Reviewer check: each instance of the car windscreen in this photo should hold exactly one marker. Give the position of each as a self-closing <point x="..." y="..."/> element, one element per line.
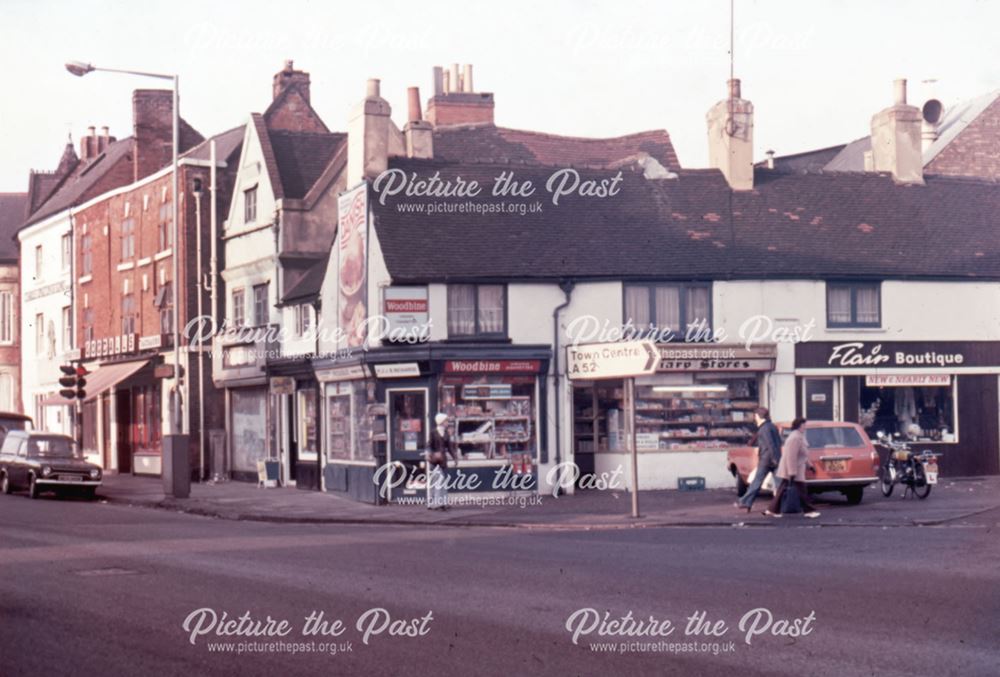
<point x="841" y="436"/>
<point x="53" y="447"/>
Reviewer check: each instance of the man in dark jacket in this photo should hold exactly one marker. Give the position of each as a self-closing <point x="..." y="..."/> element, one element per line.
<point x="768" y="455"/>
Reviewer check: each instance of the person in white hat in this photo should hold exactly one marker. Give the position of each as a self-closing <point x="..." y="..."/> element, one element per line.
<point x="441" y="447"/>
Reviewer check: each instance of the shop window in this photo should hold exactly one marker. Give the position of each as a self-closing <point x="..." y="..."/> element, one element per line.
<point x="477" y="310"/>
<point x="86" y="255"/>
<point x="669" y="311"/>
<point x="250" y="205"/>
<point x="307" y="439"/>
<point x="239" y="307"/>
<point x="338" y="422"/>
<point x="260" y="314"/>
<point x="6" y="317"/>
<point x="853" y="304"/>
<point x="248" y="428"/>
<point x="916" y="413"/>
<point x="146" y="427"/>
<point x="678" y="413"/>
<point x="493" y="416"/>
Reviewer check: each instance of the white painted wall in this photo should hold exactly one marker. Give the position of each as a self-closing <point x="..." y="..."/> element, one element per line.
<point x="46" y="292"/>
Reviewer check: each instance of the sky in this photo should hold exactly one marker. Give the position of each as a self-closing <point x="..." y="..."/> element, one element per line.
<point x="815" y="71"/>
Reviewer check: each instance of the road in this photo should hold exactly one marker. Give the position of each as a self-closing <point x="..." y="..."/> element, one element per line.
<point x="93" y="589"/>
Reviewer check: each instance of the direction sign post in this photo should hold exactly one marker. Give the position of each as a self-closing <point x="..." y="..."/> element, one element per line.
<point x="626" y="360"/>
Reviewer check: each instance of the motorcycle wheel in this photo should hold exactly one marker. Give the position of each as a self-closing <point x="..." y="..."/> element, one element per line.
<point x="920" y="486"/>
<point x="887" y="482"/>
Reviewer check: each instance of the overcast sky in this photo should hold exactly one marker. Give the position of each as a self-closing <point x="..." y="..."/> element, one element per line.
<point x="815" y="71"/>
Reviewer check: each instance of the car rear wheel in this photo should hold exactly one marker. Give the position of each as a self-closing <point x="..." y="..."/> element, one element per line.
<point x="854" y="495"/>
<point x="4" y="484"/>
<point x="741" y="486"/>
<point x="33" y="488"/>
<point x="886" y="482"/>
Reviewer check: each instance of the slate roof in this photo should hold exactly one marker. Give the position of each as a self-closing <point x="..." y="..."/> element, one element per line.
<point x="74" y="188"/>
<point x="809" y="161"/>
<point x="488" y="143"/>
<point x="790" y="226"/>
<point x="308" y="286"/>
<point x="295" y="160"/>
<point x="226" y="143"/>
<point x="12" y="207"/>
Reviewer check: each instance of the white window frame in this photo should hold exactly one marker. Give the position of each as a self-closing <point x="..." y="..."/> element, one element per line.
<point x="6" y="318"/>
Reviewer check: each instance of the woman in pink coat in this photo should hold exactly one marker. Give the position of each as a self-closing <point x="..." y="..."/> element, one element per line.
<point x="792" y="470"/>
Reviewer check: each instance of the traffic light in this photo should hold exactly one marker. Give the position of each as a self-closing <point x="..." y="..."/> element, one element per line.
<point x="73" y="381"/>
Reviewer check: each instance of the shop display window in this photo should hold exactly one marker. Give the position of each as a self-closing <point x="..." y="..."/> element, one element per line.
<point x="493" y="416"/>
<point x="308" y="442"/>
<point x="917" y="413"/>
<point x="713" y="413"/>
<point x="338" y="421"/>
<point x="248" y="420"/>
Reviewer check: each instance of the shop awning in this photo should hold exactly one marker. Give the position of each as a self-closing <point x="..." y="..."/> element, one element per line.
<point x="100" y="380"/>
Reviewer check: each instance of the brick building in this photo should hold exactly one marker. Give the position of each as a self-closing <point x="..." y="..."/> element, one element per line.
<point x="12" y="208"/>
<point x="123" y="289"/>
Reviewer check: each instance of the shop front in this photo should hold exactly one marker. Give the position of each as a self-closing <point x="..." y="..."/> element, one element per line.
<point x="697" y="406"/>
<point x="939" y="395"/>
<point x="379" y="413"/>
<point x="296" y="429"/>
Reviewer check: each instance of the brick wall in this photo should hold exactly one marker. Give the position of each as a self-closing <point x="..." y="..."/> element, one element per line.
<point x="975" y="151"/>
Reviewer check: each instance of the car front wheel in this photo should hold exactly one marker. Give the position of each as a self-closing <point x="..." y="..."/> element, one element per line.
<point x="5" y="484"/>
<point x="33" y="488"/>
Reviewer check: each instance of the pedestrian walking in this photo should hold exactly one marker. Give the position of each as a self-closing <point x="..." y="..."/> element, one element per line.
<point x="441" y="447"/>
<point x="768" y="442"/>
<point x="792" y="471"/>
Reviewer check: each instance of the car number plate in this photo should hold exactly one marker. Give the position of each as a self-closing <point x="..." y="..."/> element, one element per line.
<point x="835" y="466"/>
<point x="70" y="478"/>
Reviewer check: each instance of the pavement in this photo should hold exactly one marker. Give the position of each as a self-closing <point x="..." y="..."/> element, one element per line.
<point x="953" y="500"/>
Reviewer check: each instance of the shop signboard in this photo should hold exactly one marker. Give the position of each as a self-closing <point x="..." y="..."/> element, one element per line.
<point x="348" y="373"/>
<point x="352" y="235"/>
<point x="401" y="370"/>
<point x="904" y="380"/>
<point x="492" y="366"/>
<point x="675" y="357"/>
<point x="611" y="360"/>
<point x="282" y="385"/>
<point x="406" y="312"/>
<point x="878" y="356"/>
<point x="110" y="345"/>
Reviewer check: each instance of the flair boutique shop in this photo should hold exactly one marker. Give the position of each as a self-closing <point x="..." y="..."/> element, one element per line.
<point x="939" y="395"/>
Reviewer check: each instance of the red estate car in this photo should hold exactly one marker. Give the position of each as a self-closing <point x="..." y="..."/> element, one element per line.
<point x="841" y="453"/>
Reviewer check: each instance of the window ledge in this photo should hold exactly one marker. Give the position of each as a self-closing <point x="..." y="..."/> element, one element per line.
<point x="145" y="261"/>
<point x="85" y="279"/>
<point x="126" y="266"/>
<point x="164" y="254"/>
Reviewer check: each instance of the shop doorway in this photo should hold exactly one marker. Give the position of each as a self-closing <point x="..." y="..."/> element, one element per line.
<point x="123" y="419"/>
<point x="818" y="399"/>
<point x="408" y="423"/>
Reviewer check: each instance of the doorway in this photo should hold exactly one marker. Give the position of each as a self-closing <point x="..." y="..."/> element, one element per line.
<point x="819" y="399"/>
<point x="123" y="426"/>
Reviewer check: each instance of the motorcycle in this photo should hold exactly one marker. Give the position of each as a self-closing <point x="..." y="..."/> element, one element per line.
<point x="918" y="472"/>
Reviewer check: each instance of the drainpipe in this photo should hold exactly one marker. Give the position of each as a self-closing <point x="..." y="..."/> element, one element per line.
<point x="201" y="356"/>
<point x="567" y="289"/>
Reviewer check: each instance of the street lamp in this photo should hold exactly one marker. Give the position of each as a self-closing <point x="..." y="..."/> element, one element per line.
<point x="79" y="69"/>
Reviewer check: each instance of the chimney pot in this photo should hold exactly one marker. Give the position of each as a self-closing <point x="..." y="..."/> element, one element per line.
<point x="92" y="130"/>
<point x="413" y="96"/>
<point x="289" y="65"/>
<point x="467" y="79"/>
<point x="374" y="88"/>
<point x="734" y="88"/>
<point x="770" y="159"/>
<point x="446" y="82"/>
<point x="899" y="91"/>
<point x="438" y="80"/>
<point x="456" y="85"/>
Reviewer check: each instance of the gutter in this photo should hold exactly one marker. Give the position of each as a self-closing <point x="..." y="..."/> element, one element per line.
<point x="567" y="289"/>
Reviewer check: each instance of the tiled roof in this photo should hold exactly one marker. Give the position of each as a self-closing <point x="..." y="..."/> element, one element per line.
<point x="487" y="143"/>
<point x="308" y="285"/>
<point x="301" y="157"/>
<point x="226" y="143"/>
<point x="694" y="227"/>
<point x="74" y="189"/>
<point x="12" y="206"/>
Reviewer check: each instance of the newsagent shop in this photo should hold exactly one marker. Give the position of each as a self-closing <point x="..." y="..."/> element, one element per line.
<point x="939" y="395"/>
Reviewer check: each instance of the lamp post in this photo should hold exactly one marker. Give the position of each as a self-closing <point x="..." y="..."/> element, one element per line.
<point x="79" y="69"/>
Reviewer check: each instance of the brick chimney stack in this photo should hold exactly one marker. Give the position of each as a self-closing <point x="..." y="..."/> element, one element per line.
<point x="368" y="136"/>
<point x="896" y="142"/>
<point x="152" y="120"/>
<point x="418" y="133"/>
<point x="730" y="138"/>
<point x="287" y="77"/>
<point x="454" y="102"/>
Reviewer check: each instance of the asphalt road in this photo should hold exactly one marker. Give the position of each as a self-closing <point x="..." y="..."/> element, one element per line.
<point x="92" y="589"/>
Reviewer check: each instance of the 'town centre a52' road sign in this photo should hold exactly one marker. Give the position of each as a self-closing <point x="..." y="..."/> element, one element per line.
<point x="611" y="360"/>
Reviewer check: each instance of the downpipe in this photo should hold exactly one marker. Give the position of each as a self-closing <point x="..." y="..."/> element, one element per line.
<point x="567" y="289"/>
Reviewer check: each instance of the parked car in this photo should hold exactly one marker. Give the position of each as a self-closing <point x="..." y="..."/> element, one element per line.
<point x="40" y="461"/>
<point x="841" y="453"/>
<point x="13" y="421"/>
